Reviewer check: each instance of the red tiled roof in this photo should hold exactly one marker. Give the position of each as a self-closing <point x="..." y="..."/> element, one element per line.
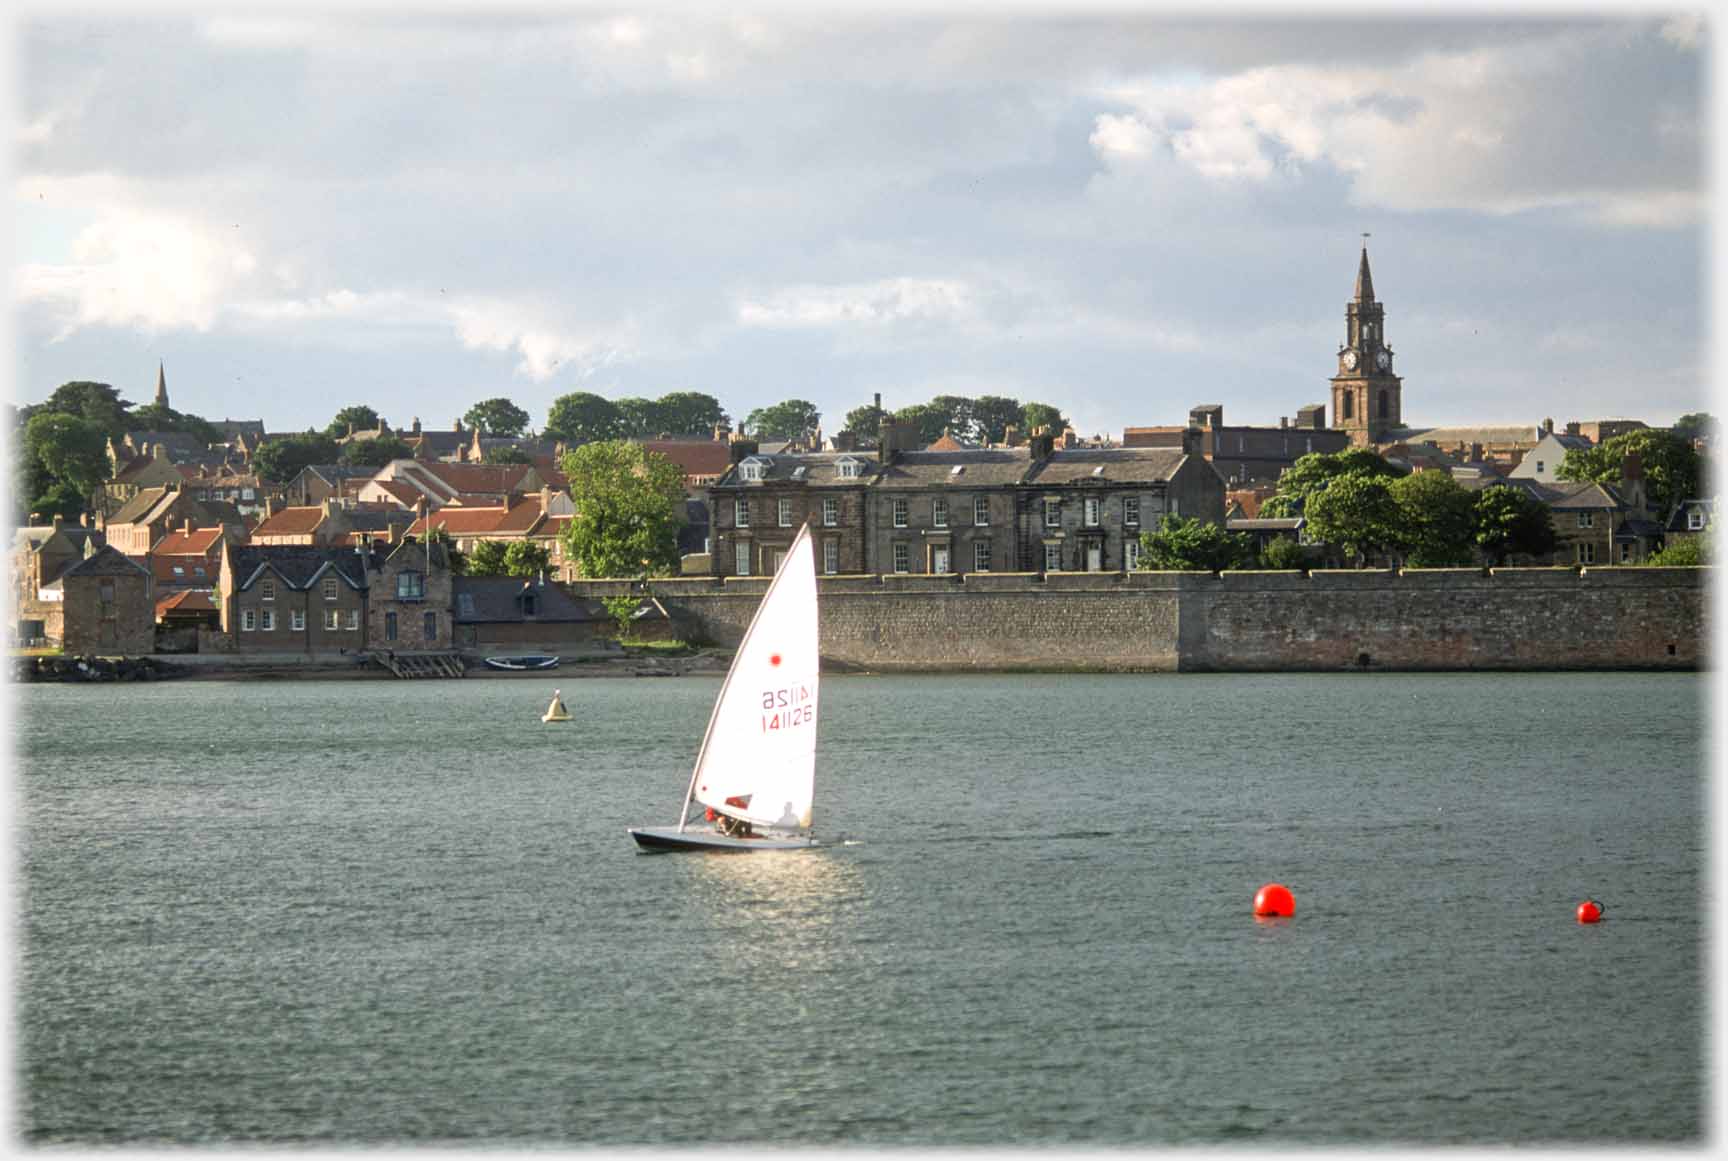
<point x="459" y="521"/>
<point x="408" y="494"/>
<point x="291" y="522"/>
<point x="198" y="542"/>
<point x="697" y="457"/>
<point x="193" y="570"/>
<point x="554" y="526"/>
<point x="521" y="517"/>
<point x="186" y="601"/>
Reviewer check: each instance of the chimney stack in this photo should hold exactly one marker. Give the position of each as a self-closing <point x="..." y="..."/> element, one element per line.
<point x="1011" y="435"/>
<point x="1042" y="443"/>
<point x="1632" y="467"/>
<point x="186" y="527"/>
<point x="722" y="431"/>
<point x="58" y="520"/>
<point x="545" y="499"/>
<point x="740" y="448"/>
<point x="1548" y="426"/>
<point x="1191" y="440"/>
<point x="416" y="426"/>
<point x="1575" y="428"/>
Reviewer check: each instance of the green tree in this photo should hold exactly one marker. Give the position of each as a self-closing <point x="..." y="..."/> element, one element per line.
<point x="1283" y="553"/>
<point x="497" y="417"/>
<point x="1356" y="514"/>
<point x="926" y="418"/>
<point x="356" y="418"/>
<point x="505" y="454"/>
<point x="1510" y="521"/>
<point x="1314" y="472"/>
<point x="1438" y="517"/>
<point x="1695" y="425"/>
<point x="961" y="421"/>
<point x="486" y="558"/>
<point x="1687" y="552"/>
<point x="97" y="402"/>
<point x="525" y="558"/>
<point x="865" y="422"/>
<point x="991" y="415"/>
<point x="689" y="413"/>
<point x="155" y="417"/>
<point x="1036" y="415"/>
<point x="622" y="610"/>
<point x="60" y="499"/>
<point x="280" y="460"/>
<point x="375" y="453"/>
<point x="1670" y="465"/>
<point x="1194" y="545"/>
<point x="629" y="505"/>
<point x="638" y="418"/>
<point x="790" y="419"/>
<point x="583" y="417"/>
<point x="71" y="450"/>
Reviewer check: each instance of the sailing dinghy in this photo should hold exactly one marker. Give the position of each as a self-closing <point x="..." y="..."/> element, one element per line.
<point x="755" y="776"/>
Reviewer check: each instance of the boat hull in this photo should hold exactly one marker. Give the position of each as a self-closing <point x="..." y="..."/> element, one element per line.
<point x="523" y="664"/>
<point x="660" y="839"/>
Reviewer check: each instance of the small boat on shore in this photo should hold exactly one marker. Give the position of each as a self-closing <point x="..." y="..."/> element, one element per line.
<point x="525" y="661"/>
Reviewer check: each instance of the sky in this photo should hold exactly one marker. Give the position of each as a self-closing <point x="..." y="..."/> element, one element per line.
<point x="1118" y="213"/>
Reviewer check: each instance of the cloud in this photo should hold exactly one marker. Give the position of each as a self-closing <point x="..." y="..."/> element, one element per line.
<point x="545" y="345"/>
<point x="868" y="304"/>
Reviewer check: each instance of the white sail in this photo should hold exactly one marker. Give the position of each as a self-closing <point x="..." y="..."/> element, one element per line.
<point x="758" y="761"/>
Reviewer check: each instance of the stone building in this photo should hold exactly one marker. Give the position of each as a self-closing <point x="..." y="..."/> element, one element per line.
<point x="1367" y="398"/>
<point x="758" y="504"/>
<point x="40" y="554"/>
<point x="293" y="598"/>
<point x="1246" y="455"/>
<point x="108" y="605"/>
<point x="411" y="598"/>
<point x="154" y="512"/>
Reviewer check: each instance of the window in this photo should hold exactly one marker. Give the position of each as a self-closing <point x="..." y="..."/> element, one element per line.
<point x="246" y="493"/>
<point x="267" y="589"/>
<point x="741" y="558"/>
<point x="849" y="469"/>
<point x="830" y="512"/>
<point x="329" y="588"/>
<point x="1586" y="553"/>
<point x="354" y="619"/>
<point x="1131" y="511"/>
<point x="1385" y="404"/>
<point x="980" y="556"/>
<point x="179" y="570"/>
<point x="106" y="592"/>
<point x="939" y="512"/>
<point x="981" y="511"/>
<point x="741" y="513"/>
<point x="332" y="618"/>
<point x="248" y="620"/>
<point x="465" y="604"/>
<point x="1052" y="513"/>
<point x="902" y="557"/>
<point x="830" y="556"/>
<point x="297" y="620"/>
<point x="1093" y="508"/>
<point x="1131" y="553"/>
<point x="1539" y="467"/>
<point x="900" y="514"/>
<point x="1586" y="519"/>
<point x="1174" y="507"/>
<point x="269" y="620"/>
<point x="1052" y="558"/>
<point x="1695" y="520"/>
<point x="198" y="571"/>
<point x="410" y="585"/>
<point x="752" y="469"/>
<point x="390" y="626"/>
<point x="785" y="513"/>
<point x="1349" y="405"/>
<point x="1626" y="552"/>
<point x="431" y="626"/>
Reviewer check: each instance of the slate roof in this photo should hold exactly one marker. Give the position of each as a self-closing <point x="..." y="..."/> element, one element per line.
<point x="487" y="599"/>
<point x="178" y="443"/>
<point x="298" y="565"/>
<point x="336" y="473"/>
<point x="1636" y="527"/>
<point x="141" y="506"/>
<point x="38" y="534"/>
<point x="1580" y="495"/>
<point x="1440" y="436"/>
<point x="1677" y="518"/>
<point x="820" y="469"/>
<point x="107" y="561"/>
<point x="983" y="467"/>
<point x="1120" y="465"/>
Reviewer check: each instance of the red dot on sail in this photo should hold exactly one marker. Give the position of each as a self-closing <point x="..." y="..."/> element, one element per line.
<point x="774" y="659"/>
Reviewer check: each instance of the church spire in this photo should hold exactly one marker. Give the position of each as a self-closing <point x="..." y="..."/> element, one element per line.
<point x="1364" y="279"/>
<point x="161" y="385"/>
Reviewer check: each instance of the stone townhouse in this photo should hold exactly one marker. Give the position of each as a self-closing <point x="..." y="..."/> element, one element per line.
<point x="412" y="597"/>
<point x="294" y="598"/>
<point x="1030" y="508"/>
<point x="40" y="554"/>
<point x="108" y="605"/>
<point x="154" y="512"/>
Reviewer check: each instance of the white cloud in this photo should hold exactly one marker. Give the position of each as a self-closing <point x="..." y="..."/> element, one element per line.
<point x="545" y="344"/>
<point x="1682" y="31"/>
<point x="878" y="303"/>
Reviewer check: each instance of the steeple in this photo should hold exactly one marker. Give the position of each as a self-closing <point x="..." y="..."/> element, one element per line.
<point x="161" y="386"/>
<point x="1364" y="279"/>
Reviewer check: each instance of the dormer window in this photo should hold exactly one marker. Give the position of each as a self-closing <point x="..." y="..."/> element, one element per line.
<point x="1695" y="520"/>
<point x="267" y="589"/>
<point x="848" y="468"/>
<point x="754" y="468"/>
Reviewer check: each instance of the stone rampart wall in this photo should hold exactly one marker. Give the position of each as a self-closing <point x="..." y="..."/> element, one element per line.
<point x="1438" y="619"/>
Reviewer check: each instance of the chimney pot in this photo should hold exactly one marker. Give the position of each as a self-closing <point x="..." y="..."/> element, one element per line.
<point x="58" y="520"/>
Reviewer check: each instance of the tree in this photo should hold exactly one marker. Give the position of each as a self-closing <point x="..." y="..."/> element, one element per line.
<point x="638" y="418"/>
<point x="497" y="417"/>
<point x="1194" y="545"/>
<point x="689" y="413"/>
<point x="97" y="402"/>
<point x="70" y="449"/>
<point x="525" y="558"/>
<point x="583" y="417"/>
<point x="1036" y="415"/>
<point x="375" y="453"/>
<point x="629" y="505"/>
<point x="486" y="558"/>
<point x="791" y="419"/>
<point x="929" y="420"/>
<point x="961" y="421"/>
<point x="1670" y="465"/>
<point x="280" y="460"/>
<point x="1314" y="472"/>
<point x="1511" y="521"/>
<point x="505" y="454"/>
<point x="865" y="422"/>
<point x="622" y="610"/>
<point x="155" y="417"/>
<point x="991" y="416"/>
<point x="1687" y="552"/>
<point x="438" y="534"/>
<point x="60" y="499"/>
<point x="1357" y="514"/>
<point x="1438" y="517"/>
<point x="1693" y="425"/>
<point x="356" y="418"/>
<point x="1282" y="552"/>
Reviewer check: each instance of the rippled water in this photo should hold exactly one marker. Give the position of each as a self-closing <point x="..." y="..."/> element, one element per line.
<point x="320" y="912"/>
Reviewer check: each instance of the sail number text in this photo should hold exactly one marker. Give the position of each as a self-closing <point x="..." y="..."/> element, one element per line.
<point x="782" y="709"/>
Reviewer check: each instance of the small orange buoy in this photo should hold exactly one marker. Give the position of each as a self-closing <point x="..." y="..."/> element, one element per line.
<point x="1590" y="911"/>
<point x="1275" y="899"/>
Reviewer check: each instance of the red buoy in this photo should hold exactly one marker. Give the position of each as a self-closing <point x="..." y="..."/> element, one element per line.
<point x="1275" y="899"/>
<point x="1589" y="911"/>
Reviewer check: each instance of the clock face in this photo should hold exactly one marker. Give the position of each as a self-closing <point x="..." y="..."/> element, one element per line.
<point x="1349" y="360"/>
<point x="1382" y="360"/>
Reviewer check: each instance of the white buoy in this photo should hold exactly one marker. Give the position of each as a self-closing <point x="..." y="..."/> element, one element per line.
<point x="556" y="711"/>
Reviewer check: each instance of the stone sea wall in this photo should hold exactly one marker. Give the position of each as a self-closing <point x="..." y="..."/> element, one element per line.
<point x="1435" y="619"/>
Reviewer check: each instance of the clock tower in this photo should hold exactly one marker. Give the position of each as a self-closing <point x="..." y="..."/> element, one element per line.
<point x="1367" y="398"/>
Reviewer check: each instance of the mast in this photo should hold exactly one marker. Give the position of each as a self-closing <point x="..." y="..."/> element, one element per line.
<point x="720" y="698"/>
